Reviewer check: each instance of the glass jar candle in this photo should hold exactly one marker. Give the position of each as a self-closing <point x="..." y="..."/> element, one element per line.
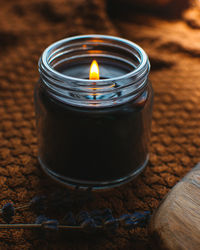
<point x="93" y="133"/>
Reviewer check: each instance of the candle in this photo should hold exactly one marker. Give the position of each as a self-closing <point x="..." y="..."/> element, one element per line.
<point x="93" y="111"/>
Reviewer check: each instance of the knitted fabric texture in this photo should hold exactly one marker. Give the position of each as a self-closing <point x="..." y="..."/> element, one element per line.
<point x="172" y="43"/>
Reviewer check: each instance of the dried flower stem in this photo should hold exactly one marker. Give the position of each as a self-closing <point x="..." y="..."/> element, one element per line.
<point x="97" y="220"/>
<point x="32" y="226"/>
<point x="63" y="227"/>
<point x="23" y="207"/>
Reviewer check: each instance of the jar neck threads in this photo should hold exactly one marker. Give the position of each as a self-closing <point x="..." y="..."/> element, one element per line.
<point x="107" y="92"/>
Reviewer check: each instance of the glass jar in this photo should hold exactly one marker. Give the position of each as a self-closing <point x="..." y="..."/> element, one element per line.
<point x="93" y="133"/>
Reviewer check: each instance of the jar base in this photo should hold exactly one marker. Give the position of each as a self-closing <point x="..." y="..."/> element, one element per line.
<point x="96" y="185"/>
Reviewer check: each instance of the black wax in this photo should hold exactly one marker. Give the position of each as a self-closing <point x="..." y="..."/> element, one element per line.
<point x="81" y="68"/>
<point x="92" y="144"/>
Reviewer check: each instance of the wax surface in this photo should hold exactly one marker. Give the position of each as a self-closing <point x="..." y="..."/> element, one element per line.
<point x="107" y="70"/>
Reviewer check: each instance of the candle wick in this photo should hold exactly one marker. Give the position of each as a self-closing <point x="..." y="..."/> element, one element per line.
<point x="94" y="95"/>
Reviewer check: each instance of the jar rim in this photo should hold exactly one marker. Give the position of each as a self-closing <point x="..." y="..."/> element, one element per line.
<point x="143" y="66"/>
<point x="108" y="91"/>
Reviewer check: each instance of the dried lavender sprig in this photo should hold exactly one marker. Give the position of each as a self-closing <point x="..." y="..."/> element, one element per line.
<point x="8" y="211"/>
<point x="137" y="219"/>
<point x="18" y="208"/>
<point x="28" y="205"/>
<point x="137" y="216"/>
<point x="109" y="225"/>
<point x="32" y="226"/>
<point x="39" y="202"/>
<point x="59" y="227"/>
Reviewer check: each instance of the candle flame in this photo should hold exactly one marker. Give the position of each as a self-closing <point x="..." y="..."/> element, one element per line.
<point x="94" y="71"/>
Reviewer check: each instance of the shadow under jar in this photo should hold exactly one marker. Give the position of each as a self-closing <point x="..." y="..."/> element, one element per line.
<point x="93" y="133"/>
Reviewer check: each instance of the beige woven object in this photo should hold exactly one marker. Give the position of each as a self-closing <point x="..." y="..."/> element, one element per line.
<point x="176" y="223"/>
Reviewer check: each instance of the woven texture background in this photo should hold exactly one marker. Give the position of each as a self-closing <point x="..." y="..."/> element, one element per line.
<point x="171" y="40"/>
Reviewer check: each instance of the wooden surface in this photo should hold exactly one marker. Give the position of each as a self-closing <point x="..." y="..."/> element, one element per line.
<point x="176" y="223"/>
